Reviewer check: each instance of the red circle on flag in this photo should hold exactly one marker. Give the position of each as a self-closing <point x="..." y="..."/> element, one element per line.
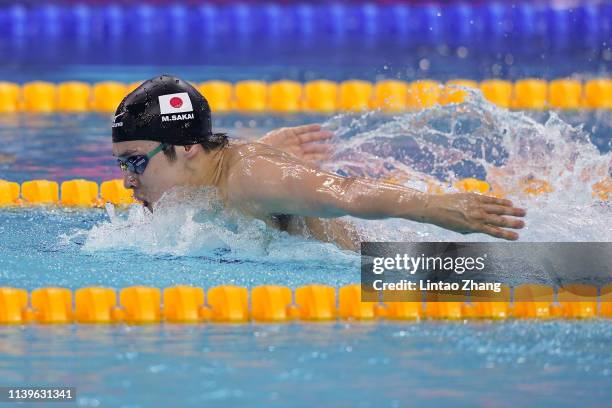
<point x="176" y="102"/>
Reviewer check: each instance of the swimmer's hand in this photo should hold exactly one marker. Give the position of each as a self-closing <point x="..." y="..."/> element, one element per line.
<point x="469" y="212"/>
<point x="301" y="141"/>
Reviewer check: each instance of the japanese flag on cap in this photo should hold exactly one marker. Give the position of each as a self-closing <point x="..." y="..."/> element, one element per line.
<point x="174" y="103"/>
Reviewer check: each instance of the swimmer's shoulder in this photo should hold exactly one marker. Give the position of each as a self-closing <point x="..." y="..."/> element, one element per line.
<point x="239" y="151"/>
<point x="237" y="158"/>
<point x="238" y="161"/>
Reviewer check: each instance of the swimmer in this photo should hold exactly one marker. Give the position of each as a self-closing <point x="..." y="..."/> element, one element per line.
<point x="167" y="115"/>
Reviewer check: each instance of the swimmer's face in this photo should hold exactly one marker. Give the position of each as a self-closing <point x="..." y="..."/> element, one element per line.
<point x="160" y="175"/>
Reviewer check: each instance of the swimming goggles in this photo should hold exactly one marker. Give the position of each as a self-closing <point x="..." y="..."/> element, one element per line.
<point x="138" y="163"/>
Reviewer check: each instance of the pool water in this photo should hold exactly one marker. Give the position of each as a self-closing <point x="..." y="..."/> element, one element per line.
<point x="357" y="364"/>
<point x="329" y="364"/>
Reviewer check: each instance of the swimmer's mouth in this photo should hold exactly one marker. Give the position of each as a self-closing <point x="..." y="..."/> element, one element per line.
<point x="144" y="202"/>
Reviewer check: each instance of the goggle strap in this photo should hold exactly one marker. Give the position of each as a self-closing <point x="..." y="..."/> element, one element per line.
<point x="158" y="149"/>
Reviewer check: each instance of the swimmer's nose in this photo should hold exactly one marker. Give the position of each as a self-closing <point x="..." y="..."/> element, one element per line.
<point x="129" y="180"/>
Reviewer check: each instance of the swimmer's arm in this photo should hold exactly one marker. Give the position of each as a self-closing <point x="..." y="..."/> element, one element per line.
<point x="341" y="232"/>
<point x="283" y="185"/>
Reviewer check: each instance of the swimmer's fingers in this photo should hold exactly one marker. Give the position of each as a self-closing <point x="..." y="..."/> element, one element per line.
<point x="317" y="148"/>
<point x="314" y="127"/>
<point x="503" y="210"/>
<point x="494" y="200"/>
<point x="317" y="136"/>
<point x="499" y="221"/>
<point x="316" y="152"/>
<point x="499" y="232"/>
<point x="502" y="202"/>
<point x="316" y="157"/>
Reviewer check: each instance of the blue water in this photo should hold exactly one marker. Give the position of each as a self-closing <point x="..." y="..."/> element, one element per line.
<point x="337" y="364"/>
<point x="333" y="364"/>
<point x="55" y="257"/>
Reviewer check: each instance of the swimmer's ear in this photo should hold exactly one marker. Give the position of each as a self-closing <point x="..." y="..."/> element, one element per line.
<point x="191" y="150"/>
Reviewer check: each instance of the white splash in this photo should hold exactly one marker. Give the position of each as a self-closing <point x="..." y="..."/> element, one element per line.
<point x="188" y="222"/>
<point x="429" y="147"/>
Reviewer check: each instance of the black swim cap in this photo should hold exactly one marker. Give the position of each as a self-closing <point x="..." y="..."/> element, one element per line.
<point x="163" y="109"/>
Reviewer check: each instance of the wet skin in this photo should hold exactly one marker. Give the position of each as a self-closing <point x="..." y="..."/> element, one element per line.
<point x="264" y="181"/>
